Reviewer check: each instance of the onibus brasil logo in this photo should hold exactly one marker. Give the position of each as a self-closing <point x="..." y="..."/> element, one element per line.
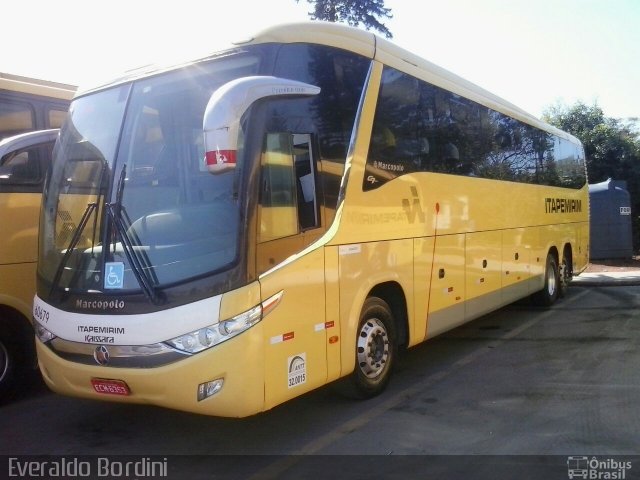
<point x="595" y="468"/>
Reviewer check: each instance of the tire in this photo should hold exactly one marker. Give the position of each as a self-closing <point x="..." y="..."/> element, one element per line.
<point x="565" y="276"/>
<point x="376" y="348"/>
<point x="552" y="284"/>
<point x="9" y="360"/>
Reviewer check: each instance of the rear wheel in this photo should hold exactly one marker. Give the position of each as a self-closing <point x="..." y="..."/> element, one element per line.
<point x="551" y="290"/>
<point x="375" y="348"/>
<point x="565" y="276"/>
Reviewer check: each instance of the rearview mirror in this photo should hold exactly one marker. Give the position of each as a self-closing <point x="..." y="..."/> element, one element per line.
<point x="226" y="106"/>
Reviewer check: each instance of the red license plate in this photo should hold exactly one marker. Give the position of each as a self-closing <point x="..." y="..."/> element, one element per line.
<point x="110" y="387"/>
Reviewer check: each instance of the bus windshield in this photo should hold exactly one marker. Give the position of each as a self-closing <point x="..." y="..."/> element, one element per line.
<point x="129" y="201"/>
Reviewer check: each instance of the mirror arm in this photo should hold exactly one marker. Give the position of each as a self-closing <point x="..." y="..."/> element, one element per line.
<point x="226" y="106"/>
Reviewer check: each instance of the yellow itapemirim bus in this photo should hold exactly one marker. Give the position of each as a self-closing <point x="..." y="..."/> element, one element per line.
<point x="27" y="107"/>
<point x="28" y="104"/>
<point x="225" y="235"/>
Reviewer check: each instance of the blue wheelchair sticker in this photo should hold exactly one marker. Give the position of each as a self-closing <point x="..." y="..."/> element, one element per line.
<point x="114" y="275"/>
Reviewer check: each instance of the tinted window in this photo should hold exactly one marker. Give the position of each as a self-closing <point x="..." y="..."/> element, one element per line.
<point x="15" y="118"/>
<point x="329" y="115"/>
<point x="56" y="117"/>
<point x="421" y="127"/>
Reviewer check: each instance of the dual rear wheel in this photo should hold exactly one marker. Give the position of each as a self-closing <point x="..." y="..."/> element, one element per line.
<point x="556" y="281"/>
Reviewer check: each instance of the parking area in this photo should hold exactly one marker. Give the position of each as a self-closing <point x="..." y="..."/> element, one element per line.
<point x="520" y="389"/>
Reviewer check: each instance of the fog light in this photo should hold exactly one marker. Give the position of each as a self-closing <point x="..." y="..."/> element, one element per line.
<point x="207" y="389"/>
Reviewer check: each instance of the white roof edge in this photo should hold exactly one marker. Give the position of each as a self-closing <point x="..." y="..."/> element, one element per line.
<point x="372" y="46"/>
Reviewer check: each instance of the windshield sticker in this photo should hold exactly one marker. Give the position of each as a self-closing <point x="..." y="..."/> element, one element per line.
<point x="114" y="275"/>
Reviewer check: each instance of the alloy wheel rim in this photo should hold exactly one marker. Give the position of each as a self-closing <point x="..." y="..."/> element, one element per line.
<point x="551" y="282"/>
<point x="373" y="348"/>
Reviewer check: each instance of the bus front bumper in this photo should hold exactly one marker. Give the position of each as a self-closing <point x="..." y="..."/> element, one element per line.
<point x="178" y="385"/>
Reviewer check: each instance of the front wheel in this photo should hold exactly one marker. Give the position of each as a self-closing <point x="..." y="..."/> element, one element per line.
<point x="9" y="358"/>
<point x="375" y="348"/>
<point x="552" y="284"/>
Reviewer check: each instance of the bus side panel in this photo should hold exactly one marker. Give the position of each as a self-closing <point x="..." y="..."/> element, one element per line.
<point x="294" y="332"/>
<point x="483" y="273"/>
<point x="17" y="284"/>
<point x="362" y="267"/>
<point x="516" y="256"/>
<point x="581" y="253"/>
<point x="19" y="214"/>
<point x="564" y="216"/>
<point x="447" y="297"/>
<point x="332" y="306"/>
<point x="538" y="258"/>
<point x="423" y="276"/>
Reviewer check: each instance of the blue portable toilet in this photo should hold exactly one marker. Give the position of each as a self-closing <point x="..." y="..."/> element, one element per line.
<point x="610" y="208"/>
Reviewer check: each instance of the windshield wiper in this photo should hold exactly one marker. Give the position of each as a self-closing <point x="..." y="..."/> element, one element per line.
<point x="91" y="207"/>
<point x="139" y="267"/>
<point x="77" y="234"/>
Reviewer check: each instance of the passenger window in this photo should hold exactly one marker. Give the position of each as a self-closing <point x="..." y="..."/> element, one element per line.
<point x="16" y="118"/>
<point x="56" y="118"/>
<point x="288" y="199"/>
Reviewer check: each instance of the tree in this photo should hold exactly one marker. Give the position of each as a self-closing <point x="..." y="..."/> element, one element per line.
<point x="612" y="148"/>
<point x="352" y="12"/>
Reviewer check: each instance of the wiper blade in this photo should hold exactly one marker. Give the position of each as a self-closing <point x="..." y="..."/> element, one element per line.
<point x="91" y="207"/>
<point x="137" y="268"/>
<point x="77" y="234"/>
<point x="116" y="212"/>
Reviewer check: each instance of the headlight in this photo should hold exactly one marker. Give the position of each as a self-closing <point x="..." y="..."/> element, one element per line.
<point x="199" y="340"/>
<point x="43" y="334"/>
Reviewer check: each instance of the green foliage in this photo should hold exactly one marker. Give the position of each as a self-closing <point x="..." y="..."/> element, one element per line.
<point x="612" y="147"/>
<point x="352" y="12"/>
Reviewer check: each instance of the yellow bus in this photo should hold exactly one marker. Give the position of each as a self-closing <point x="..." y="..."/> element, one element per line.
<point x="28" y="104"/>
<point x="228" y="234"/>
<point x="30" y="112"/>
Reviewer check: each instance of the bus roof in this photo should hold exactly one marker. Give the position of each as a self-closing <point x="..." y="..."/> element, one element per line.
<point x="36" y="86"/>
<point x="371" y="46"/>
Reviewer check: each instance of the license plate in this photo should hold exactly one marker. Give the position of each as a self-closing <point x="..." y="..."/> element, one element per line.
<point x="110" y="387"/>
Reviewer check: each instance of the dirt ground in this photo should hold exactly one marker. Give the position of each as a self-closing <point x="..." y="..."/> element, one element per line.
<point x="614" y="265"/>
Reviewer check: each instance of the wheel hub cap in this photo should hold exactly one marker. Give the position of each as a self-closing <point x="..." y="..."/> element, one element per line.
<point x="373" y="348"/>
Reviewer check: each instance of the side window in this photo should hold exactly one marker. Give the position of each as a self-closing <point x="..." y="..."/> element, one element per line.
<point x="277" y="189"/>
<point x="288" y="199"/>
<point x="25" y="167"/>
<point x="16" y="118"/>
<point x="305" y="182"/>
<point x="56" y="117"/>
<point x="396" y="140"/>
<point x="329" y="115"/>
<point x="419" y="127"/>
